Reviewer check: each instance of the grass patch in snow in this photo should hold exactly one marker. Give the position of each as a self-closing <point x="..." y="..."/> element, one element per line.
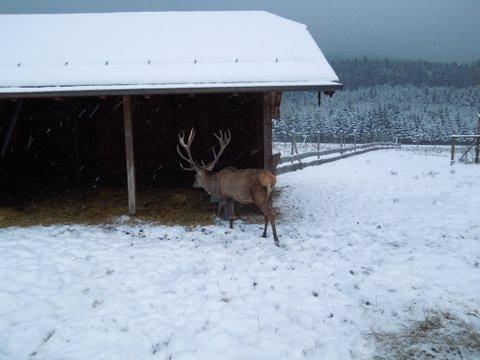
<point x="440" y="335"/>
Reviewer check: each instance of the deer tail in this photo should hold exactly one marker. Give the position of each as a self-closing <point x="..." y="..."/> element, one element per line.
<point x="268" y="181"/>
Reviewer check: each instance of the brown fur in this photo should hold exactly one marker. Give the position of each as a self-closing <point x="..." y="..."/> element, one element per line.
<point x="246" y="186"/>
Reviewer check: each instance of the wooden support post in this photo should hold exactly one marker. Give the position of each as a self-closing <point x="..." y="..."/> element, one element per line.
<point x="127" y="120"/>
<point x="452" y="152"/>
<point x="293" y="143"/>
<point x="477" y="151"/>
<point x="267" y="131"/>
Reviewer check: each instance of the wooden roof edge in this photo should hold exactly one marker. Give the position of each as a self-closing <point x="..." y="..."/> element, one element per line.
<point x="172" y="91"/>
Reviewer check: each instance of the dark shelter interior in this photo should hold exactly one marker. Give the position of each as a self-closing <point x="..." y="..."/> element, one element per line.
<point x="54" y="146"/>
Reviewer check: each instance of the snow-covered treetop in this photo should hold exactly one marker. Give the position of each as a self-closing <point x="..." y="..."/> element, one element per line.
<point x="157" y="50"/>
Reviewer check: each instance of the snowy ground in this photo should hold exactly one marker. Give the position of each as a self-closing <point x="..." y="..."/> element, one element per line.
<point x="369" y="242"/>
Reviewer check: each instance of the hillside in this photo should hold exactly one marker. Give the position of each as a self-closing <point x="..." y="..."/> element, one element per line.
<point x="412" y="101"/>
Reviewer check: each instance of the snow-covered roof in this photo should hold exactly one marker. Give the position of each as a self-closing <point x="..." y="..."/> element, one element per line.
<point x="158" y="51"/>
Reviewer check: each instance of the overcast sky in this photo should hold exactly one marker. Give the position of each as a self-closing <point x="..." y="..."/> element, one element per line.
<point x="441" y="30"/>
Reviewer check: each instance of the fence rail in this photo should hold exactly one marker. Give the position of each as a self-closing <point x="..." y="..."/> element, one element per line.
<point x="344" y="152"/>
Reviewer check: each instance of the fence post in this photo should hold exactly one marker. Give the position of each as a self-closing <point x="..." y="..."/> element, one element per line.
<point x="355" y="139"/>
<point x="477" y="151"/>
<point x="293" y="141"/>
<point x="452" y="152"/>
<point x="318" y="144"/>
<point x="477" y="154"/>
<point x="294" y="146"/>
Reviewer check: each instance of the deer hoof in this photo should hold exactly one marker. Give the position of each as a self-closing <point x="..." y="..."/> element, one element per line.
<point x="277" y="243"/>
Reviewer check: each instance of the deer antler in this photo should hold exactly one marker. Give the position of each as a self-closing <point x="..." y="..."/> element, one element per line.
<point x="224" y="139"/>
<point x="186" y="146"/>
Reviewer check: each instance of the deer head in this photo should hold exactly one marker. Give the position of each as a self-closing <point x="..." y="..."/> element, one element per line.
<point x="202" y="170"/>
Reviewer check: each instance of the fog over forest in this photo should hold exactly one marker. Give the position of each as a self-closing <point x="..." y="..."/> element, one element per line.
<point x="412" y="101"/>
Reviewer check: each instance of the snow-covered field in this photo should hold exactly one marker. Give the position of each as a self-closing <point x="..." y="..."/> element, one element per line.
<point x="368" y="243"/>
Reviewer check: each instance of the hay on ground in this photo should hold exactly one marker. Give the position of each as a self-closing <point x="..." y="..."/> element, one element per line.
<point x="187" y="207"/>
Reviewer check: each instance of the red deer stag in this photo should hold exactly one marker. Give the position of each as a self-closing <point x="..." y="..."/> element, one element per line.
<point x="247" y="186"/>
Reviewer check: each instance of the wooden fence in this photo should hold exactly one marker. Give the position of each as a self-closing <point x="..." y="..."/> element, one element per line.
<point x="344" y="152"/>
<point x="474" y="145"/>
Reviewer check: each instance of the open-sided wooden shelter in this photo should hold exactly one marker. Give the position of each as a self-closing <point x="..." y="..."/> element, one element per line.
<point x="99" y="98"/>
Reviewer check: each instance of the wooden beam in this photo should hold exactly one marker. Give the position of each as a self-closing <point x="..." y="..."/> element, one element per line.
<point x="127" y="120"/>
<point x="366" y="148"/>
<point x="169" y="91"/>
<point x="267" y="131"/>
<point x="298" y="157"/>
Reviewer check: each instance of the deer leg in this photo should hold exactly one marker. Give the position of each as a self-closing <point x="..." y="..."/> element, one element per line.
<point x="221" y="204"/>
<point x="265" y="228"/>
<point x="229" y="211"/>
<point x="232" y="213"/>
<point x="272" y="221"/>
<point x="263" y="203"/>
<point x="274" y="231"/>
